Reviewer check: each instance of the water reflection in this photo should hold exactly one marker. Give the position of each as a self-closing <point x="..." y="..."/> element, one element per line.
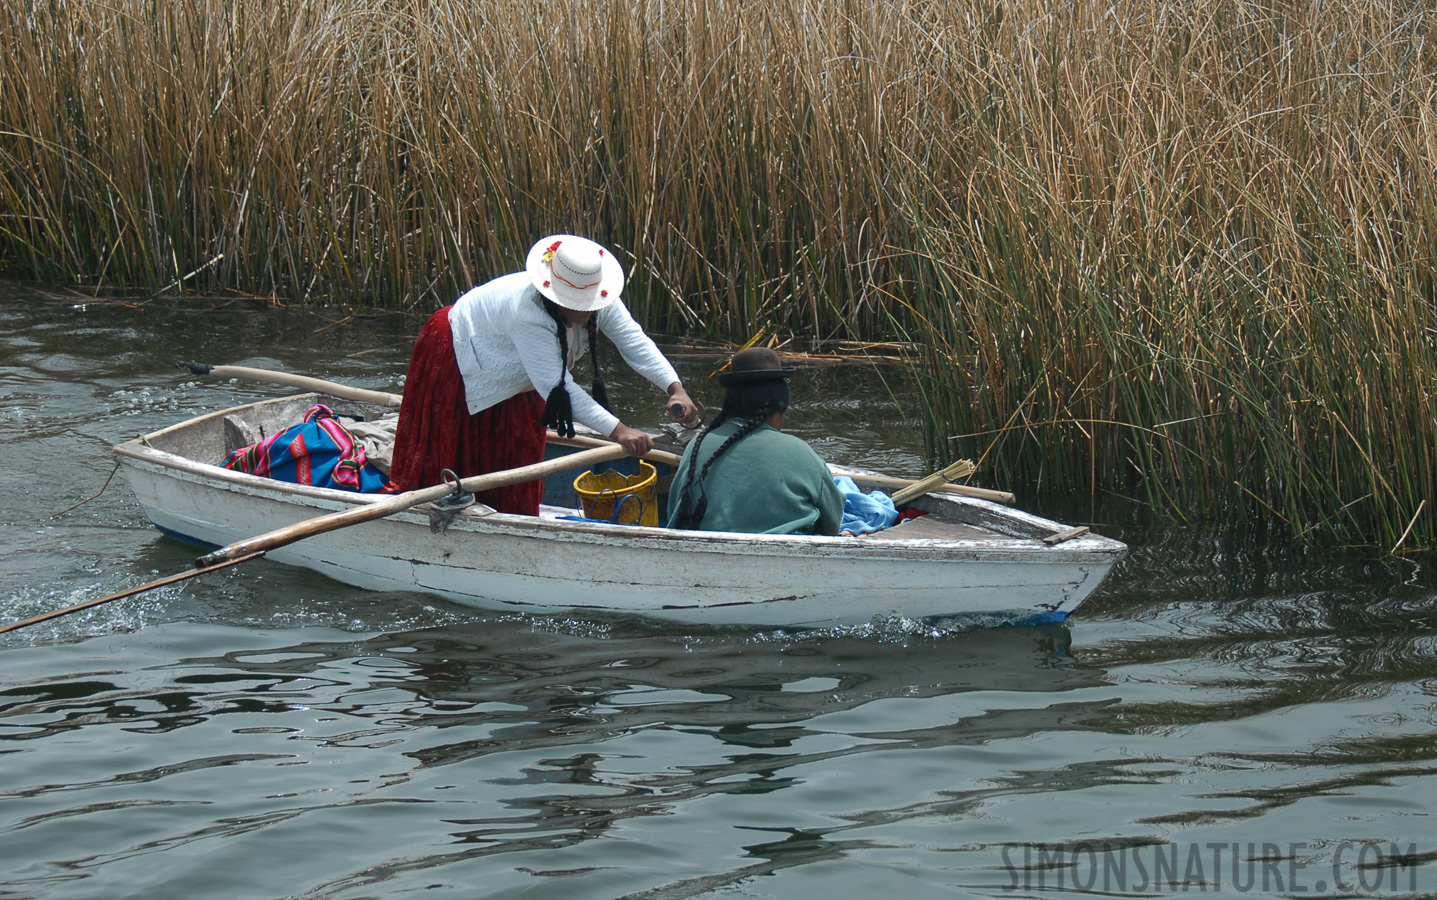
<point x="536" y="687"/>
<point x="510" y="734"/>
<point x="1265" y="626"/>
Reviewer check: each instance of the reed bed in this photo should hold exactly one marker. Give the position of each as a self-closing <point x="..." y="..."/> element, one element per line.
<point x="1179" y="252"/>
<point x="1188" y="257"/>
<point x="394" y="152"/>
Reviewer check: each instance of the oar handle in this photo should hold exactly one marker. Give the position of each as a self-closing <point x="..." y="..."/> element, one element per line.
<point x="580" y="440"/>
<point x="388" y="506"/>
<point x="334" y="389"/>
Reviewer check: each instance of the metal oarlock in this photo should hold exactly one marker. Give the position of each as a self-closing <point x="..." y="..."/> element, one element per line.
<point x="443" y="510"/>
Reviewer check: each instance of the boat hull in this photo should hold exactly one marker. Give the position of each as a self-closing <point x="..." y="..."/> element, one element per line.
<point x="550" y="565"/>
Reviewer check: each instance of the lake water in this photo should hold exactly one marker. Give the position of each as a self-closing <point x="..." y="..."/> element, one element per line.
<point x="1223" y="718"/>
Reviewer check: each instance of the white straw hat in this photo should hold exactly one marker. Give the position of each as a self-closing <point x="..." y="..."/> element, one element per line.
<point x="575" y="272"/>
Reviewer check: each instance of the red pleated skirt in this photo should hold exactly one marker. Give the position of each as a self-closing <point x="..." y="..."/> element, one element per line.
<point x="436" y="431"/>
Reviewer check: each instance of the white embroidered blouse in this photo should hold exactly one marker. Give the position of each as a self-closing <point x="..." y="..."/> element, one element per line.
<point x="505" y="343"/>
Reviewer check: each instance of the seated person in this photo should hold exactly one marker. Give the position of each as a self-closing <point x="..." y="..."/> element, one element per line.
<point x="742" y="473"/>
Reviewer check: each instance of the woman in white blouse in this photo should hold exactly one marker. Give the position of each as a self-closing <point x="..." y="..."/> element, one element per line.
<point x="490" y="372"/>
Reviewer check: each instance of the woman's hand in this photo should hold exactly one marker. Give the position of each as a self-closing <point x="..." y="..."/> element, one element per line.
<point x="679" y="405"/>
<point x="632" y="439"/>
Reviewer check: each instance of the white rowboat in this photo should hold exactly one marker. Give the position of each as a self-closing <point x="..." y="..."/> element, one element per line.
<point x="967" y="558"/>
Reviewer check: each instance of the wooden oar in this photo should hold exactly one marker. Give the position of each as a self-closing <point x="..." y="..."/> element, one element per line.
<point x="257" y="546"/>
<point x="127" y="592"/>
<point x="937" y="482"/>
<point x="400" y="502"/>
<point x="582" y="440"/>
<point x="381" y="398"/>
<point x="335" y="389"/>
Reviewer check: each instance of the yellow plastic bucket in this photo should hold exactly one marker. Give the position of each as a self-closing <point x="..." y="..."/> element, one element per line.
<point x="633" y="495"/>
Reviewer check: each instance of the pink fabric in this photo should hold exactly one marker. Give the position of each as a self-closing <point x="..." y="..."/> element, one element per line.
<point x="436" y="431"/>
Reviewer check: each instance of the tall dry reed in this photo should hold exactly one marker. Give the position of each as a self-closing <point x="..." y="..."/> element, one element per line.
<point x="1187" y="254"/>
<point x="1182" y="252"/>
<point x="397" y="151"/>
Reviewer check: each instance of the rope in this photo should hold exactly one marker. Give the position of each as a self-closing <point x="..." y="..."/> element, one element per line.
<point x="87" y="500"/>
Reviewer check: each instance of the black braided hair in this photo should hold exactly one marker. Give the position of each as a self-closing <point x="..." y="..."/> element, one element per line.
<point x="691" y="511"/>
<point x="558" y="408"/>
<point x="599" y="392"/>
<point x="750" y="403"/>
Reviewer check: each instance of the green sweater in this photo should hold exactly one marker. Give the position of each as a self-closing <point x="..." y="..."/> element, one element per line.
<point x="767" y="483"/>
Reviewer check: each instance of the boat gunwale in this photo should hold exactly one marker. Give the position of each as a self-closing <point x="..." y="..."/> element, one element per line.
<point x="1086" y="546"/>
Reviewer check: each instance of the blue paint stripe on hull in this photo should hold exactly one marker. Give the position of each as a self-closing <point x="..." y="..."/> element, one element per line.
<point x="186" y="538"/>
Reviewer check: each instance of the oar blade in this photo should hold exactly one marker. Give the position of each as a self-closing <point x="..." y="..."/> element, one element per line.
<point x="127" y="592"/>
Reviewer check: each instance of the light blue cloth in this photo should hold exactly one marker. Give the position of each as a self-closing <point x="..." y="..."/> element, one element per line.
<point x="862" y="512"/>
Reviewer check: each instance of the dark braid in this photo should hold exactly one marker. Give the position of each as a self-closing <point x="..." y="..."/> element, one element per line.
<point x="752" y="404"/>
<point x="600" y="393"/>
<point x="558" y="408"/>
<point x="691" y="510"/>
